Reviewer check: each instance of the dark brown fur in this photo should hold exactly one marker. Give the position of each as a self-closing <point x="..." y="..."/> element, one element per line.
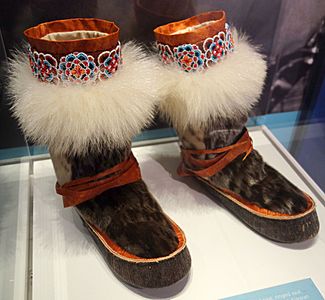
<point x="129" y="214"/>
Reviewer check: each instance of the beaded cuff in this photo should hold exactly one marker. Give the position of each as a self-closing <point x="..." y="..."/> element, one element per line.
<point x="196" y="57"/>
<point x="76" y="67"/>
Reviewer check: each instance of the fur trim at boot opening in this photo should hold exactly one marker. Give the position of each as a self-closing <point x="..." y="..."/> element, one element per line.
<point x="223" y="90"/>
<point x="71" y="118"/>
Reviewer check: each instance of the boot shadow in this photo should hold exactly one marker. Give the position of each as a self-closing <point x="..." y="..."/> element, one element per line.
<point x="170" y="164"/>
<point x="75" y="237"/>
<point x="162" y="293"/>
<point x="298" y="246"/>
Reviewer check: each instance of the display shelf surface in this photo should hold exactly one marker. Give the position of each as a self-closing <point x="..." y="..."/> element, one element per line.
<point x="14" y="229"/>
<point x="227" y="257"/>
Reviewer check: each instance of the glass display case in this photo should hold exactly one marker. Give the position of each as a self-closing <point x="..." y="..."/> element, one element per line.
<point x="45" y="250"/>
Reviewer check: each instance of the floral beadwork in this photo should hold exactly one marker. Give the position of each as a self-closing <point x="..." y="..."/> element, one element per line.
<point x="109" y="62"/>
<point x="165" y="53"/>
<point x="44" y="66"/>
<point x="32" y="56"/>
<point x="229" y="43"/>
<point x="76" y="67"/>
<point x="215" y="48"/>
<point x="189" y="57"/>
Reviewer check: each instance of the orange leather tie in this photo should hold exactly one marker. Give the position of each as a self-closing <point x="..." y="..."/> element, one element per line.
<point x="83" y="189"/>
<point x="209" y="167"/>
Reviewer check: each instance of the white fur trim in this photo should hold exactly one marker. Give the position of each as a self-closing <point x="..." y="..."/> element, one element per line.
<point x="70" y="118"/>
<point x="231" y="86"/>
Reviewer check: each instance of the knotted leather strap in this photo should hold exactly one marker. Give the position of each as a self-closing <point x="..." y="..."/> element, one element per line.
<point x="223" y="156"/>
<point x="83" y="189"/>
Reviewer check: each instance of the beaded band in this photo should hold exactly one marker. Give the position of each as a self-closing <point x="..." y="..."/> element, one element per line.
<point x="190" y="58"/>
<point x="76" y="67"/>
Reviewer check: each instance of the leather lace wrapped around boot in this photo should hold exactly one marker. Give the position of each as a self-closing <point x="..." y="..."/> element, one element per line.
<point x="211" y="78"/>
<point x="72" y="92"/>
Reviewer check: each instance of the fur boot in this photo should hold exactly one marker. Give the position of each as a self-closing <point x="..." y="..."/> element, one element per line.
<point x="72" y="93"/>
<point x="211" y="78"/>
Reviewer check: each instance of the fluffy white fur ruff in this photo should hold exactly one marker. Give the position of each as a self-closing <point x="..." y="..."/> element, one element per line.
<point x="231" y="86"/>
<point x="70" y="118"/>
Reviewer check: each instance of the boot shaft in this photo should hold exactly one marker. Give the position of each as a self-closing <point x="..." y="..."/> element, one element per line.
<point x="218" y="133"/>
<point x="69" y="168"/>
<point x="73" y="94"/>
<point x="212" y="76"/>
